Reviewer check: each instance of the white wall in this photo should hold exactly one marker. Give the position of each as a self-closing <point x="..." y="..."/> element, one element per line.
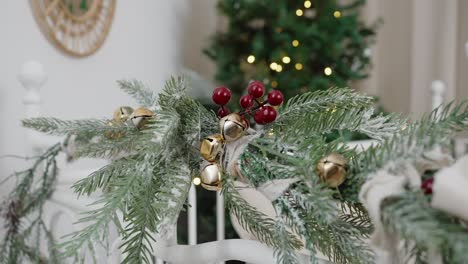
<point x="419" y="41"/>
<point x="143" y="43"/>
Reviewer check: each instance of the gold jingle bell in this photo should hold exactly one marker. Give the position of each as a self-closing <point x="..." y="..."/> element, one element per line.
<point x="114" y="134"/>
<point x="211" y="177"/>
<point x="232" y="127"/>
<point x="122" y="114"/>
<point x="141" y="116"/>
<point x="211" y="146"/>
<point x="332" y="169"/>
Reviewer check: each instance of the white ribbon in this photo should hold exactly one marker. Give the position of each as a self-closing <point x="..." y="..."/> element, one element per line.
<point x="384" y="185"/>
<point x="450" y="189"/>
<point x="233" y="150"/>
<point x="381" y="186"/>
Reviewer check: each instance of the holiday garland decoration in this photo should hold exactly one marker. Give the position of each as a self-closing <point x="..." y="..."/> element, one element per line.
<point x="324" y="207"/>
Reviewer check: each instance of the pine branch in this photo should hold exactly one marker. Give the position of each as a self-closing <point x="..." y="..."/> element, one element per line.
<point x="138" y="91"/>
<point x="411" y="217"/>
<point x="257" y="223"/>
<point x="88" y="127"/>
<point x="311" y="103"/>
<point x="173" y="93"/>
<point x="284" y="254"/>
<point x="102" y="178"/>
<point x="152" y="210"/>
<point x="356" y="120"/>
<point x="336" y="239"/>
<point x="98" y="220"/>
<point x="436" y="129"/>
<point x="23" y="210"/>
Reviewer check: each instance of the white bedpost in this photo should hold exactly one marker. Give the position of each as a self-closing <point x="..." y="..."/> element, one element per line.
<point x="192" y="216"/>
<point x="220" y="216"/>
<point x="32" y="77"/>
<point x="438" y="89"/>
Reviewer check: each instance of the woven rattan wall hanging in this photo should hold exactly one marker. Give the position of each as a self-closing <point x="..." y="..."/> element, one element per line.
<point x="77" y="27"/>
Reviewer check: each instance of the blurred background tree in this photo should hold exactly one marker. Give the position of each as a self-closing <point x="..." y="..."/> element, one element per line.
<point x="291" y="45"/>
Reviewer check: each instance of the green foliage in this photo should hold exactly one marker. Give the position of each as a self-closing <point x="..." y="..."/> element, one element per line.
<point x="266" y="30"/>
<point x="138" y="91"/>
<point x="413" y="219"/>
<point x="23" y="209"/>
<point x="265" y="229"/>
<point x="322" y="112"/>
<point x="409" y="144"/>
<point x="144" y="187"/>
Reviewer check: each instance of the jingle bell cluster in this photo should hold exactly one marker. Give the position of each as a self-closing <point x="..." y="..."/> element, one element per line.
<point x="139" y="117"/>
<point x="233" y="126"/>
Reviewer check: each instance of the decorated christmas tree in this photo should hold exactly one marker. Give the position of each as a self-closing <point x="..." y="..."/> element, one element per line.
<point x="295" y="46"/>
<point x="328" y="197"/>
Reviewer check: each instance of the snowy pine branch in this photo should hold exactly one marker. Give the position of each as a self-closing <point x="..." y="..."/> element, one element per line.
<point x="256" y="222"/>
<point x="411" y="217"/>
<point x="139" y="92"/>
<point x="320" y="101"/>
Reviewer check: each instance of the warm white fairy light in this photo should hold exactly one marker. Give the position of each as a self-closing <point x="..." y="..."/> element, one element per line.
<point x="196" y="180"/>
<point x="286" y="59"/>
<point x="299" y="12"/>
<point x="279" y="68"/>
<point x="337" y="14"/>
<point x="251" y="59"/>
<point x="328" y="71"/>
<point x="298" y="66"/>
<point x="273" y="66"/>
<point x="307" y="4"/>
<point x="295" y="43"/>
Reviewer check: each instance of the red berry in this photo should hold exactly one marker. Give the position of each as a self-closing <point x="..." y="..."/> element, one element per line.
<point x="246" y="101"/>
<point x="426" y="186"/>
<point x="223" y="111"/>
<point x="275" y="97"/>
<point x="221" y="95"/>
<point x="269" y="113"/>
<point x="258" y="117"/>
<point x="256" y="89"/>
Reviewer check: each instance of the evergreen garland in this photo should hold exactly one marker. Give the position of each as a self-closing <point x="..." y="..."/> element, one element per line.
<point x="145" y="186"/>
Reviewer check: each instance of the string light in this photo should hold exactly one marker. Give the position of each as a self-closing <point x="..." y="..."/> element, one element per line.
<point x="286" y="59"/>
<point x="279" y="68"/>
<point x="295" y="43"/>
<point x="298" y="66"/>
<point x="337" y="14"/>
<point x="273" y="66"/>
<point x="251" y="59"/>
<point x="299" y="12"/>
<point x="274" y="84"/>
<point x="196" y="180"/>
<point x="307" y="4"/>
<point x="328" y="71"/>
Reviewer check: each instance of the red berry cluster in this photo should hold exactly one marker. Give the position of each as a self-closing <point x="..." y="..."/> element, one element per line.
<point x="262" y="113"/>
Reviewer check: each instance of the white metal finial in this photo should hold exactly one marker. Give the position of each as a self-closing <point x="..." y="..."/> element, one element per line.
<point x="32" y="76"/>
<point x="438" y="89"/>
